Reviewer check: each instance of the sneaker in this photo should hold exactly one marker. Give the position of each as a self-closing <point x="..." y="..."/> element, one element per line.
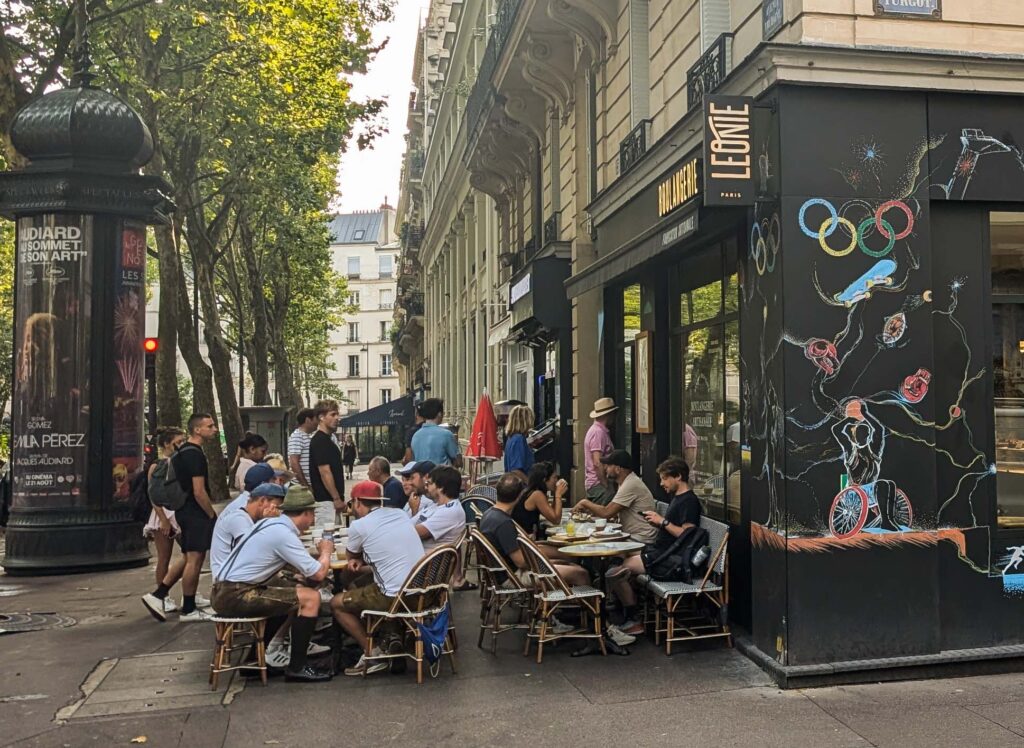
<point x="324" y="622"/>
<point x="317" y="649"/>
<point x="202" y="602"/>
<point x="196" y="615"/>
<point x="632" y="628"/>
<point x="326" y="595"/>
<point x="171" y="605"/>
<point x="367" y="667"/>
<point x="155" y="606"/>
<point x="619" y="636"/>
<point x="558" y="627"/>
<point x="278" y="656"/>
<point x="308" y="674"/>
<point x="397" y="664"/>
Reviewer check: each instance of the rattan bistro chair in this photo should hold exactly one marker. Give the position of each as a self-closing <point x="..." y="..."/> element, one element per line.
<point x="423" y="596"/>
<point x="552" y="593"/>
<point x="249" y="632"/>
<point x="500" y="587"/>
<point x="711" y="592"/>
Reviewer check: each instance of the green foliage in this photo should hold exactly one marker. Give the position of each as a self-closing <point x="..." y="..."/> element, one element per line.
<point x="185" y="393"/>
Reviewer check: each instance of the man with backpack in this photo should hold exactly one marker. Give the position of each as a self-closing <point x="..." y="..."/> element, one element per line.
<point x="182" y="484"/>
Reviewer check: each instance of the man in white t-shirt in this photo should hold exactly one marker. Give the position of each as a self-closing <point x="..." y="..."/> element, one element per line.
<point x="240" y="587"/>
<point x="238" y="518"/>
<point x="386" y="540"/>
<point x="444" y="521"/>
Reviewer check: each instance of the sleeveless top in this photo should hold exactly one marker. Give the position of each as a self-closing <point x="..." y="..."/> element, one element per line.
<point x="528" y="519"/>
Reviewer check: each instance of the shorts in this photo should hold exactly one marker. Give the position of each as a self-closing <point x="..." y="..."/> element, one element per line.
<point x="152" y="527"/>
<point x="196" y="528"/>
<point x="244" y="599"/>
<point x="357" y="599"/>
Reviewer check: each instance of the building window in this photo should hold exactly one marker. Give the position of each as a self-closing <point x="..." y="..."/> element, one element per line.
<point x="387" y="298"/>
<point x="353" y="299"/>
<point x="353" y="332"/>
<point x="353" y="267"/>
<point x="353" y="400"/>
<point x="353" y="366"/>
<point x="386" y="265"/>
<point x="385" y="364"/>
<point x="705" y="383"/>
<point x="1007" y="256"/>
<point x="383" y="331"/>
<point x="639" y="61"/>
<point x="714" y="21"/>
<point x="358" y="234"/>
<point x="385" y="396"/>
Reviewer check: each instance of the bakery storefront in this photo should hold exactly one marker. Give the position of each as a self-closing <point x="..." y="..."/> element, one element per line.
<point x="843" y="366"/>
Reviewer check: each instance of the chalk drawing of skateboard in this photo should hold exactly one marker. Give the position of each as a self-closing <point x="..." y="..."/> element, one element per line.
<point x="879" y="275"/>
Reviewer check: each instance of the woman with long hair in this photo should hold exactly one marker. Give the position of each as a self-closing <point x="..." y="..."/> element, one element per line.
<point x="542" y="482"/>
<point x="518" y="455"/>
<point x="251" y="449"/>
<point x="162" y="528"/>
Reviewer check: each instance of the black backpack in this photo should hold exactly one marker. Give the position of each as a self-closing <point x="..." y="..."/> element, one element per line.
<point x="139" y="498"/>
<point x="164" y="488"/>
<point x="677" y="562"/>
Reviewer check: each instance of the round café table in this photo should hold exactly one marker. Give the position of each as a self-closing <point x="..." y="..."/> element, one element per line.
<point x="602" y="554"/>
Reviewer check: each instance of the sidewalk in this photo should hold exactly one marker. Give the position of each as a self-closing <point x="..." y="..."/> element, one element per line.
<point x="704" y="695"/>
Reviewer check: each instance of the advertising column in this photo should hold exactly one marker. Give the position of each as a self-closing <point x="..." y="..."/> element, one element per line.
<point x="53" y="326"/>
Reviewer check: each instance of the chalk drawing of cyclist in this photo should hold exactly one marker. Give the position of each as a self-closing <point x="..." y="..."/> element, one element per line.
<point x="866" y="501"/>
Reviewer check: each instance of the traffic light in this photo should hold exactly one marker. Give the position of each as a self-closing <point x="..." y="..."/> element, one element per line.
<point x="150" y="346"/>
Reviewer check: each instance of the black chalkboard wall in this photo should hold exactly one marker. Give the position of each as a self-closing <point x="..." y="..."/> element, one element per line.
<point x="867" y="374"/>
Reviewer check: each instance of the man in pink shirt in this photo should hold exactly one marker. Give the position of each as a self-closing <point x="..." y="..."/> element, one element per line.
<point x="597" y="444"/>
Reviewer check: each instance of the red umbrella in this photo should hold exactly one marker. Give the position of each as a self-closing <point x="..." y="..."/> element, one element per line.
<point x="483" y="439"/>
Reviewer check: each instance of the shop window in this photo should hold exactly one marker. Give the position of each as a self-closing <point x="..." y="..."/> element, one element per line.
<point x="630" y="312"/>
<point x="700" y="304"/>
<point x="1007" y="253"/>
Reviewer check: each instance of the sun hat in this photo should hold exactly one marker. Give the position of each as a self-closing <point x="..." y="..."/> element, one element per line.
<point x="298" y="499"/>
<point x="603" y="406"/>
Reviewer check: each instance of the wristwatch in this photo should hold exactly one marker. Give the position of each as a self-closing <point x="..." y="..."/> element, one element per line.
<point x="664" y="524"/>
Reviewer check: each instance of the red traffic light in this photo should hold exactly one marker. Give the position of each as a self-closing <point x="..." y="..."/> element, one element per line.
<point x="149" y="345"/>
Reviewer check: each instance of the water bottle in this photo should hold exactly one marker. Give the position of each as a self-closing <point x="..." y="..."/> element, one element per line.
<point x="701" y="555"/>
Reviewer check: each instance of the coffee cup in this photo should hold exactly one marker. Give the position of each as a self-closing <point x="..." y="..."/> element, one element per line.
<point x="330" y="527"/>
<point x="600" y="524"/>
<point x="318" y="533"/>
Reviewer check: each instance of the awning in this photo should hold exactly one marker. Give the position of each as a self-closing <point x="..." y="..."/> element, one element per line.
<point x="627" y="257"/>
<point x="398" y="412"/>
<point x="500" y="331"/>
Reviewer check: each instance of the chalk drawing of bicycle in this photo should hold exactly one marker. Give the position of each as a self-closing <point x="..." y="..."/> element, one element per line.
<point x="855" y="509"/>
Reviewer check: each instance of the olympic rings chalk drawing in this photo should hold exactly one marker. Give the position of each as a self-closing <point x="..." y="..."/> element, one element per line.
<point x="765" y="239"/>
<point x="857" y="232"/>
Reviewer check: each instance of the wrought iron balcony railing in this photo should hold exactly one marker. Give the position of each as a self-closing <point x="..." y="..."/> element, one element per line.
<point x="634" y="146"/>
<point x="551" y="229"/>
<point x="709" y="71"/>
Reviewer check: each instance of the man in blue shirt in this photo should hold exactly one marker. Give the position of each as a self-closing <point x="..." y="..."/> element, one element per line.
<point x="432" y="442"/>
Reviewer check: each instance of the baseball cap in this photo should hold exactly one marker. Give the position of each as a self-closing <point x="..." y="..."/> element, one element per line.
<point x="272" y="490"/>
<point x="367" y="489"/>
<point x="407" y="468"/>
<point x="261" y="472"/>
<point x="423" y="467"/>
<point x="618" y="458"/>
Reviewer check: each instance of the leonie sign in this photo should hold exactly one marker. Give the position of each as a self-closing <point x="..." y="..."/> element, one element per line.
<point x="728" y="176"/>
<point x="926" y="9"/>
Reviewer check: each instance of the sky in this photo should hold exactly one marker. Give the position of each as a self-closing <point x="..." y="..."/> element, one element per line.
<point x="367" y="177"/>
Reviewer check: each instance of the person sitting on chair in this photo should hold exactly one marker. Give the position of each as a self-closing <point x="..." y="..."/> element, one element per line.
<point x="241" y="587"/>
<point x="444" y="521"/>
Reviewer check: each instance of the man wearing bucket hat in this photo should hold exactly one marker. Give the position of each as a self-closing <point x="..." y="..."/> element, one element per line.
<point x="597" y="444"/>
<point x="241" y="586"/>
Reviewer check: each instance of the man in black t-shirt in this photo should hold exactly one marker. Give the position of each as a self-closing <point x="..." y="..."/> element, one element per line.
<point x="326" y="469"/>
<point x="197" y="517"/>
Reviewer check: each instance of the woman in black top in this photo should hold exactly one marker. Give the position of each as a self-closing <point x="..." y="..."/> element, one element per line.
<point x="348" y="455"/>
<point x="542" y="480"/>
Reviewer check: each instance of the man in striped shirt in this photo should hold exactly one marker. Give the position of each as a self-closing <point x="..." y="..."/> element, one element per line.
<point x="298" y="445"/>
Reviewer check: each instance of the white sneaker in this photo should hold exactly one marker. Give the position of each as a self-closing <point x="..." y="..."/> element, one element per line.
<point x="368" y="667"/>
<point x="278" y="656"/>
<point x="326" y="595"/>
<point x="196" y="615"/>
<point x="155" y="606"/>
<point x="619" y="636"/>
<point x="202" y="602"/>
<point x="171" y="605"/>
<point x="558" y="627"/>
<point x="316" y="649"/>
<point x="324" y="622"/>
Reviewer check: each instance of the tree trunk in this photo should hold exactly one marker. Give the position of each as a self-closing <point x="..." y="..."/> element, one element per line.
<point x="168" y="399"/>
<point x="202" y="387"/>
<point x="259" y="358"/>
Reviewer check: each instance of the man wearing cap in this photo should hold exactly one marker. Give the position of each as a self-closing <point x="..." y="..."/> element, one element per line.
<point x="384" y="539"/>
<point x="597" y="444"/>
<point x="242" y="586"/>
<point x="379" y="471"/>
<point x="444" y="519"/>
<point x="237" y="519"/>
<point x="414" y="484"/>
